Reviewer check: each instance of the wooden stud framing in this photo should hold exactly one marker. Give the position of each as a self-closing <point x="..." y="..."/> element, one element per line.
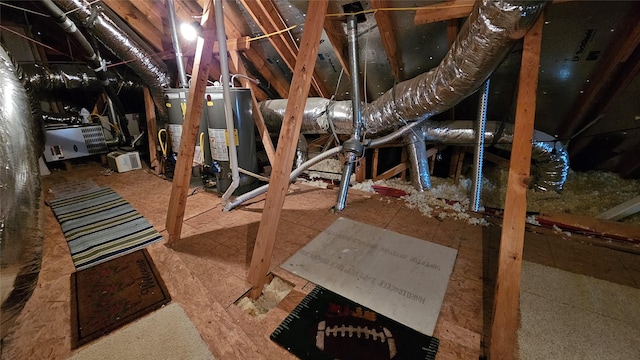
<point x="267" y="17"/>
<point x="149" y="30"/>
<point x="504" y="327"/>
<point x="182" y="174"/>
<point x="449" y="10"/>
<point x="300" y="85"/>
<point x="152" y="131"/>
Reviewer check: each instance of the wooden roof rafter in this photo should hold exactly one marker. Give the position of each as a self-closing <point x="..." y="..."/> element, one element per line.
<point x="447" y="10"/>
<point x="388" y="37"/>
<point x="151" y="31"/>
<point x="267" y="17"/>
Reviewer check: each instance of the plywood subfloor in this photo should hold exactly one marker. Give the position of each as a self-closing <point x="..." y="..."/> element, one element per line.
<point x="206" y="271"/>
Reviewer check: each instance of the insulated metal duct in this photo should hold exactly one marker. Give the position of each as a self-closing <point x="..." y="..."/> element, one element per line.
<point x="20" y="197"/>
<point x="110" y="31"/>
<point x="491" y="30"/>
<point x="549" y="157"/>
<point x="40" y="78"/>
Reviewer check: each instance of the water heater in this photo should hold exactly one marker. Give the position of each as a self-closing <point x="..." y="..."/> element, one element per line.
<point x="244" y="135"/>
<point x="213" y="124"/>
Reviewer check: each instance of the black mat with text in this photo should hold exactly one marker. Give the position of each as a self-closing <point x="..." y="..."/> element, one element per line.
<point x="326" y="325"/>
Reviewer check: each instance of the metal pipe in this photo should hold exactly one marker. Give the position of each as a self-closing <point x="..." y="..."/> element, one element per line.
<point x="182" y="74"/>
<point x="481" y="125"/>
<point x="294" y="174"/>
<point x="418" y="161"/>
<point x="228" y="108"/>
<point x="351" y="153"/>
<point x="316" y="159"/>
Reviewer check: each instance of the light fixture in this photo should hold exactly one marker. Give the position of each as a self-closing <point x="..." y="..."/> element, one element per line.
<point x="190" y="31"/>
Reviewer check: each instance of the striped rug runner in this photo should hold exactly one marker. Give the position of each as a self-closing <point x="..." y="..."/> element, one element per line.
<point x="100" y="225"/>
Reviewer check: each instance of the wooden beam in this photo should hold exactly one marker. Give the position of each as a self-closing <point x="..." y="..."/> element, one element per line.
<point x="267" y="17"/>
<point x="621" y="211"/>
<point x="448" y="10"/>
<point x="338" y="40"/>
<point x="606" y="77"/>
<point x="239" y="44"/>
<point x="233" y="21"/>
<point x="263" y="249"/>
<point x="152" y="131"/>
<point x="182" y="174"/>
<point x="388" y="37"/>
<point x="150" y="31"/>
<point x="590" y="225"/>
<point x="504" y="327"/>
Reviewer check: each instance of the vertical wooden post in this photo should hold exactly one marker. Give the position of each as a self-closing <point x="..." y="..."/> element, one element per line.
<point x="182" y="174"/>
<point x="152" y="131"/>
<point x="504" y="327"/>
<point x="300" y="84"/>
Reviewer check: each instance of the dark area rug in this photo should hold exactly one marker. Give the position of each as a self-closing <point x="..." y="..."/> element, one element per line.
<point x="112" y="294"/>
<point x="326" y="325"/>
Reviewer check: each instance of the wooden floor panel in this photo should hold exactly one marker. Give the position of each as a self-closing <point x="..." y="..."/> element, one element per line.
<point x="205" y="272"/>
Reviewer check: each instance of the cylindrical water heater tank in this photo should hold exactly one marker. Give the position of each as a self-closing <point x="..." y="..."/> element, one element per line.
<point x="176" y="105"/>
<point x="213" y="124"/>
<point x="244" y="135"/>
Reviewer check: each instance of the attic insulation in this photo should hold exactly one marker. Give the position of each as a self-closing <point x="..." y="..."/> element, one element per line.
<point x="582" y="194"/>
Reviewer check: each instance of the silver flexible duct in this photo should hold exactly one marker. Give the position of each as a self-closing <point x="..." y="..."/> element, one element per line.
<point x="418" y="161"/>
<point x="21" y="231"/>
<point x="491" y="30"/>
<point x="550" y="159"/>
<point x="111" y="32"/>
<point x="95" y="62"/>
<point x="40" y="78"/>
